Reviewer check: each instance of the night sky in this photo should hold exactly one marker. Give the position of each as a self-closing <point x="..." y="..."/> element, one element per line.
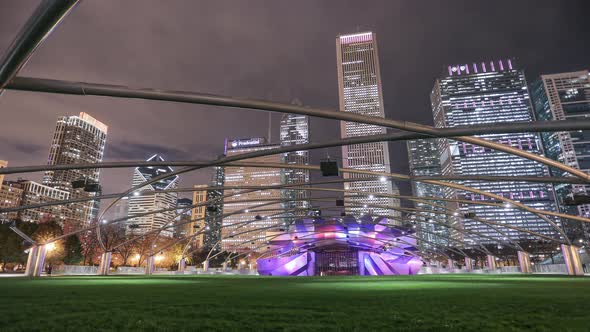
<point x="276" y="50"/>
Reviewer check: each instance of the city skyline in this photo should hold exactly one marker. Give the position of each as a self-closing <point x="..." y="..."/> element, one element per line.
<point x="407" y="78"/>
<point x="217" y="166"/>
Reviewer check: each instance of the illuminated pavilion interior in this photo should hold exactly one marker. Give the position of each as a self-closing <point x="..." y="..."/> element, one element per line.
<point x="341" y="246"/>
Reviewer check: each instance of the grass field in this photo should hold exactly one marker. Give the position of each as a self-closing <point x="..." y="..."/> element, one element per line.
<point x="241" y="303"/>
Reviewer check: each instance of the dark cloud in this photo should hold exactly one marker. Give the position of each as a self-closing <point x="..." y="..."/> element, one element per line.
<point x="277" y="50"/>
<point x="138" y="151"/>
<point x="21" y="147"/>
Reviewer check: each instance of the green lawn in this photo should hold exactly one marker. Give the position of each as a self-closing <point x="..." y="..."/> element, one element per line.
<point x="241" y="303"/>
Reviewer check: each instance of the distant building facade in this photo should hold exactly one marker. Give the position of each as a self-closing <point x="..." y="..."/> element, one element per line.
<point x="77" y="139"/>
<point x="566" y="96"/>
<point x="294" y="130"/>
<point x="183" y="218"/>
<point x="424" y="160"/>
<point x="482" y="93"/>
<point x="359" y="88"/>
<point x="141" y="202"/>
<point x="36" y="193"/>
<point x="214" y="211"/>
<point x="244" y="228"/>
<point x="198" y="214"/>
<point x="11" y="195"/>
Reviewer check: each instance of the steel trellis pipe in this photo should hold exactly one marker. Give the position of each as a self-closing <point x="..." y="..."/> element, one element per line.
<point x="79" y="88"/>
<point x="40" y="24"/>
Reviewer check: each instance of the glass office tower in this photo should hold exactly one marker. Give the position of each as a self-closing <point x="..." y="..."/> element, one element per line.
<point x="492" y="92"/>
<point x="566" y="96"/>
<point x="294" y="130"/>
<point x="424" y="160"/>
<point x="214" y="211"/>
<point x="77" y="139"/>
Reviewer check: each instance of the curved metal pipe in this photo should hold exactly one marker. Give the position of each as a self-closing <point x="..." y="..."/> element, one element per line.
<point x="393" y="175"/>
<point x="40" y="24"/>
<point x="78" y="88"/>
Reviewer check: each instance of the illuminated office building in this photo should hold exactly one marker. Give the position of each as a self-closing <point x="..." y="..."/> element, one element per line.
<point x="486" y="93"/>
<point x="566" y="96"/>
<point x="184" y="226"/>
<point x="78" y="139"/>
<point x="198" y="214"/>
<point x="424" y="160"/>
<point x="244" y="228"/>
<point x="214" y="211"/>
<point x="11" y="194"/>
<point x="142" y="202"/>
<point x="294" y="130"/>
<point x="36" y="193"/>
<point x="359" y="87"/>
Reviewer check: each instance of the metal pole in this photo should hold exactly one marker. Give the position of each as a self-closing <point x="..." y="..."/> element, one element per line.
<point x="78" y="88"/>
<point x="40" y="24"/>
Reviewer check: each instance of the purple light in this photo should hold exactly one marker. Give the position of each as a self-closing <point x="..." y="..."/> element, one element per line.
<point x="331" y="234"/>
<point x="509" y="64"/>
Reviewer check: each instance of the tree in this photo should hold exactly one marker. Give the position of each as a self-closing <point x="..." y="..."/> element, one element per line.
<point x="46" y="231"/>
<point x="73" y="250"/>
<point x="145" y="247"/>
<point x="90" y="246"/>
<point x="125" y="252"/>
<point x="12" y="246"/>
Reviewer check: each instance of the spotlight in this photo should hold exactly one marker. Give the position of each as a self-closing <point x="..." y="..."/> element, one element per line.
<point x="50" y="246"/>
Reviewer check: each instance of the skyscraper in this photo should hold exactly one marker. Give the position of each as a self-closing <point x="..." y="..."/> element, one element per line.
<point x="35" y="193"/>
<point x="566" y="96"/>
<point x="140" y="202"/>
<point x="252" y="224"/>
<point x="214" y="211"/>
<point x="77" y="139"/>
<point x="492" y="92"/>
<point x="294" y="130"/>
<point x="359" y="87"/>
<point x="183" y="217"/>
<point x="424" y="160"/>
<point x="11" y="195"/>
<point x="198" y="214"/>
<point x="3" y="163"/>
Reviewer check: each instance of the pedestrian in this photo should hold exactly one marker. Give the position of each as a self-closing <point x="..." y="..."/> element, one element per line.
<point x="49" y="268"/>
